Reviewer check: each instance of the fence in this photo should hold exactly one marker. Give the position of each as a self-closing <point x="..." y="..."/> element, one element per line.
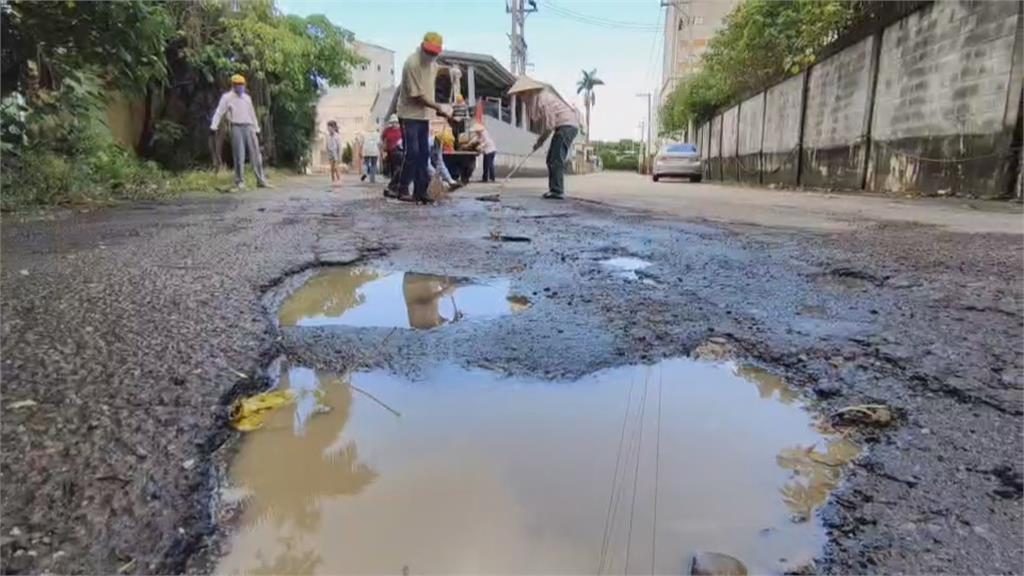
<point x="928" y="104"/>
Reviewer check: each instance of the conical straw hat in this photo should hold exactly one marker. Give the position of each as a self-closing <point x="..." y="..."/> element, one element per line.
<point x="523" y="84"/>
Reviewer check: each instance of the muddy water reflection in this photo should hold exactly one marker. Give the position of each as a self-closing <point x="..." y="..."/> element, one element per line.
<point x="355" y="296"/>
<point x="486" y="474"/>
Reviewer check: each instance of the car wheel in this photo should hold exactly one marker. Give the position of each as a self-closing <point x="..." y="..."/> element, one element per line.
<point x="655" y="177"/>
<point x="695" y="178"/>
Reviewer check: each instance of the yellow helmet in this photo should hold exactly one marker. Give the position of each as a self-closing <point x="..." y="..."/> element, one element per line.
<point x="432" y="43"/>
<point x="238" y="79"/>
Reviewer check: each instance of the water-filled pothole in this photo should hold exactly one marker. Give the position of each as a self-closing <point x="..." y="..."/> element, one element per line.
<point x="364" y="297"/>
<point x="469" y="471"/>
<point x="626" y="266"/>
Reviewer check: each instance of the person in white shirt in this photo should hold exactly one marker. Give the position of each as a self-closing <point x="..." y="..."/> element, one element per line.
<point x="487" y="148"/>
<point x="236" y="105"/>
<point x="371" y="152"/>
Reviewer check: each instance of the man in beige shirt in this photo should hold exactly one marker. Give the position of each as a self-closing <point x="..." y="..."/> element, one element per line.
<point x="553" y="115"/>
<point x="416" y="106"/>
<point x="236" y="105"/>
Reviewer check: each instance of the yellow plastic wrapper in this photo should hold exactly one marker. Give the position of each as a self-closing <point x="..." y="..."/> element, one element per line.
<point x="251" y="413"/>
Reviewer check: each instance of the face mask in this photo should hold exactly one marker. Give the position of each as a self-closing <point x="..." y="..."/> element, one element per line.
<point x="239" y="90"/>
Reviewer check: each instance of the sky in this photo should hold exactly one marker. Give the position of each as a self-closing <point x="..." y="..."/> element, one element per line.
<point x="622" y="39"/>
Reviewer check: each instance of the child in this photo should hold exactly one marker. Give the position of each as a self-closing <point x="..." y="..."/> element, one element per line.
<point x="334" y="152"/>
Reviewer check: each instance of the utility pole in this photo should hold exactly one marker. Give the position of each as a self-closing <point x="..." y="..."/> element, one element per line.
<point x="649" y="128"/>
<point x="517" y="38"/>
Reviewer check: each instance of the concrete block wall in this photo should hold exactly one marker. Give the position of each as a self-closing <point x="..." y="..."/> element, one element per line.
<point x="751" y="133"/>
<point x="780" y="151"/>
<point x="945" y="109"/>
<point x="730" y="134"/>
<point x="930" y="105"/>
<point x="836" y="119"/>
<point x="714" y="164"/>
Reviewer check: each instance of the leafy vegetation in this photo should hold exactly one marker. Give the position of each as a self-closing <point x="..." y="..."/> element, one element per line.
<point x="621" y="155"/>
<point x="585" y="85"/>
<point x="761" y="42"/>
<point x="63" y="61"/>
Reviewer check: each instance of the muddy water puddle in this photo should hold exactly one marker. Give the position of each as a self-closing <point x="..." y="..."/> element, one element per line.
<point x="364" y="297"/>
<point x="467" y="471"/>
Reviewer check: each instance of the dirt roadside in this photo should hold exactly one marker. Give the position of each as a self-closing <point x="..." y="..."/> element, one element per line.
<point x="126" y="332"/>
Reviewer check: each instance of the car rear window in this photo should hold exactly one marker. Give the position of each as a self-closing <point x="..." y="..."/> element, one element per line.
<point x="680" y="148"/>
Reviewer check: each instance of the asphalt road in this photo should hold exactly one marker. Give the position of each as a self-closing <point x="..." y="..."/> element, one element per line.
<point x="127" y="331"/>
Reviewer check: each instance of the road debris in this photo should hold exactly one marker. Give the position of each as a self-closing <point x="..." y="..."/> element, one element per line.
<point x="876" y="415"/>
<point x="250" y="413"/>
<point x="715" y="564"/>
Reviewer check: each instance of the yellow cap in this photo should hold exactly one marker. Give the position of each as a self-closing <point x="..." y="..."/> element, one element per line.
<point x="432" y="43"/>
<point x="238" y="79"/>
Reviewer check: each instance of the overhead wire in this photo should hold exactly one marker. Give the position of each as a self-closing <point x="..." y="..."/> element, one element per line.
<point x="615" y="477"/>
<point x="657" y="473"/>
<point x="607" y="23"/>
<point x="636" y="472"/>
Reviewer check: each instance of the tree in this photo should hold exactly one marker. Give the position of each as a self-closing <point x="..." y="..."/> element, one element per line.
<point x="760" y="42"/>
<point x="586" y="86"/>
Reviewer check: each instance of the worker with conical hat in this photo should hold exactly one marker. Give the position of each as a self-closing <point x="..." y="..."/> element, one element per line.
<point x="416" y="107"/>
<point x="554" y="117"/>
<point x="236" y="105"/>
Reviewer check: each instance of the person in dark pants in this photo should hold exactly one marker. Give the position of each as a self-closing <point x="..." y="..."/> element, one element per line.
<point x="416" y="106"/>
<point x="486" y="145"/>
<point x="553" y="115"/>
<point x="558" y="152"/>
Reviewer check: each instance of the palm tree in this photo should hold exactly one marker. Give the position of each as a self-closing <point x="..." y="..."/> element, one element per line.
<point x="586" y="85"/>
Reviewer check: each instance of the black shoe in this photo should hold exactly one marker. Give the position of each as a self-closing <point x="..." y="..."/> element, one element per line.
<point x="389" y="193"/>
<point x="406" y="198"/>
<point x="425" y="201"/>
<point x="362" y="178"/>
<point x="553" y="196"/>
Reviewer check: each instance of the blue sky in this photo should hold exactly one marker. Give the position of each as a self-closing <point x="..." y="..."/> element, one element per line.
<point x="623" y="42"/>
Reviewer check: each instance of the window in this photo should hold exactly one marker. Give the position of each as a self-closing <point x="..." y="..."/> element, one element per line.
<point x="363" y="67"/>
<point x="681" y="149"/>
<point x="362" y="82"/>
<point x="378" y="67"/>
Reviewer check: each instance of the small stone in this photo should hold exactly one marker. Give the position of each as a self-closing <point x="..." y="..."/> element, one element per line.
<point x="188" y="464"/>
<point x="59" y="554"/>
<point x="23" y="272"/>
<point x="718" y="340"/>
<point x="826" y="389"/>
<point x="715" y="564"/>
<point x="33" y="553"/>
<point x="15" y="532"/>
<point x="18" y="552"/>
<point x="926" y="431"/>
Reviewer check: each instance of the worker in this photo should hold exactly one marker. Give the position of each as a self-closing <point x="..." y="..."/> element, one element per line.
<point x="416" y="106"/>
<point x="486" y="145"/>
<point x="553" y="115"/>
<point x="245" y="130"/>
<point x="391" y="137"/>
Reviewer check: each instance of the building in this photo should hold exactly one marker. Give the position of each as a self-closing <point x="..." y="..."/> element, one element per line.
<point x="353" y="106"/>
<point x="689" y="26"/>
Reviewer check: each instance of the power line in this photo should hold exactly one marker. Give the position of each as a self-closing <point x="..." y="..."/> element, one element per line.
<point x="598" y="21"/>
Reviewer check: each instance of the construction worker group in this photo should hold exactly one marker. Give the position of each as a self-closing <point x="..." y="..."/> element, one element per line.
<point x="410" y="150"/>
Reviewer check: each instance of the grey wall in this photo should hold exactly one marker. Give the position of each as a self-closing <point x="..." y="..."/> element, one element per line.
<point x="944" y="80"/>
<point x="730" y="132"/>
<point x="782" y="118"/>
<point x="714" y="165"/>
<point x="751" y="131"/>
<point x="930" y="105"/>
<point x="836" y="118"/>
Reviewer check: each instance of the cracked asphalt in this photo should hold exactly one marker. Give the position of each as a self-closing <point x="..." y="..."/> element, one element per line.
<point x="128" y="331"/>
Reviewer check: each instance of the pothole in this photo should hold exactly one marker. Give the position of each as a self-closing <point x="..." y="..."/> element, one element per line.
<point x="626" y="266"/>
<point x="472" y="471"/>
<point x="365" y="297"/>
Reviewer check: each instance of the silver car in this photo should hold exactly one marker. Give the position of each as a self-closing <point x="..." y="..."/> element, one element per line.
<point x="678" y="160"/>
